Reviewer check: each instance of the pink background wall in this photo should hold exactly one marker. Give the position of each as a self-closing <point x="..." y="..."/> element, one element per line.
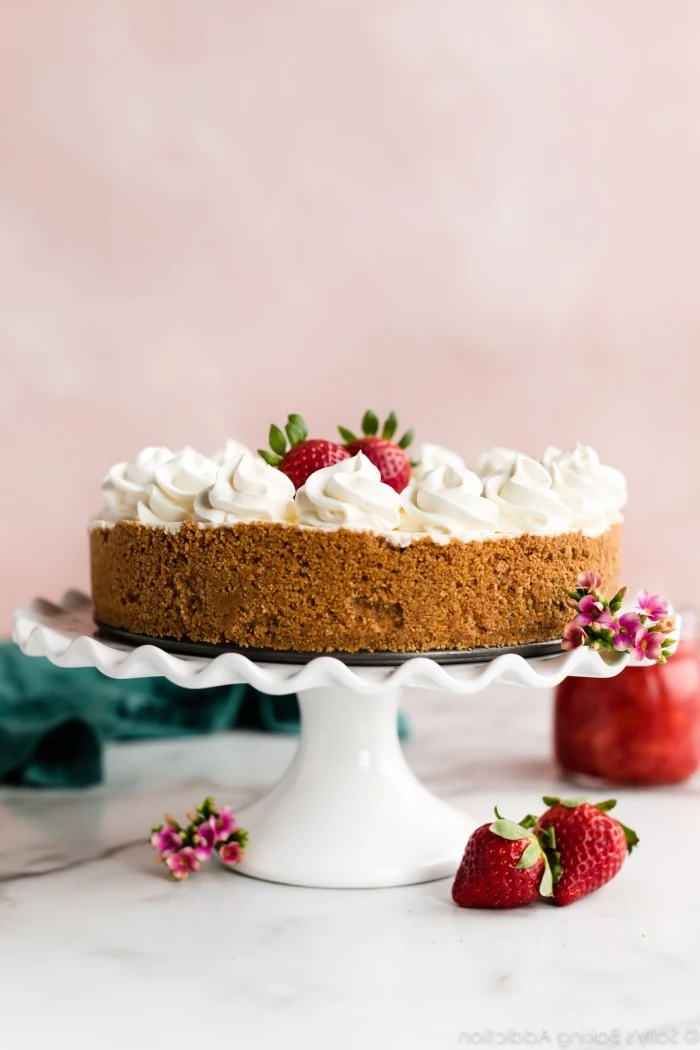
<point x="484" y="215"/>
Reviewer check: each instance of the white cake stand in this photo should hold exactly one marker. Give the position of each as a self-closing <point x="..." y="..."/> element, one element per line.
<point x="348" y="812"/>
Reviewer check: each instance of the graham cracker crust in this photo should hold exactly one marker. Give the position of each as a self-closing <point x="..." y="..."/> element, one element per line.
<point x="278" y="586"/>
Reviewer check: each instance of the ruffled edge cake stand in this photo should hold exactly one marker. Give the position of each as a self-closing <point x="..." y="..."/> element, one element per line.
<point x="348" y="812"/>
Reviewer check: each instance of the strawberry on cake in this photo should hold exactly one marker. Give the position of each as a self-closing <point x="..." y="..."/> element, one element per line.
<point x="318" y="546"/>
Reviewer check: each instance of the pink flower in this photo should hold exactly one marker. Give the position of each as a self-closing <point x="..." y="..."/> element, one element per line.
<point x="652" y="605"/>
<point x="208" y="837"/>
<point x="225" y="823"/>
<point x="591" y="611"/>
<point x="647" y="645"/>
<point x="167" y="840"/>
<point x="183" y="863"/>
<point x="590" y="581"/>
<point x="231" y="853"/>
<point x="626" y="631"/>
<point x="573" y="636"/>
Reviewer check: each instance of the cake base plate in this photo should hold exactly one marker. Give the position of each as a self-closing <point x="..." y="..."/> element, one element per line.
<point x="349" y="812"/>
<point x="184" y="647"/>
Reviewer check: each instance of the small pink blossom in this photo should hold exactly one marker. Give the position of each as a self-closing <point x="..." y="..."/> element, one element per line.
<point x="183" y="863"/>
<point x="591" y="611"/>
<point x="167" y="840"/>
<point x="573" y="636"/>
<point x="590" y="581"/>
<point x="647" y="645"/>
<point x="225" y="823"/>
<point x="652" y="605"/>
<point x="231" y="853"/>
<point x="208" y="836"/>
<point x="626" y="631"/>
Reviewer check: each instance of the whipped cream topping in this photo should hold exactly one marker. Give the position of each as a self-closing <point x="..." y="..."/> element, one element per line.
<point x="432" y="456"/>
<point x="350" y="495"/>
<point x="522" y="492"/>
<point x="595" y="494"/>
<point x="493" y="460"/>
<point x="127" y="483"/>
<point x="549" y="454"/>
<point x="170" y="497"/>
<point x="563" y="491"/>
<point x="232" y="449"/>
<point x="246" y="489"/>
<point x="448" y="501"/>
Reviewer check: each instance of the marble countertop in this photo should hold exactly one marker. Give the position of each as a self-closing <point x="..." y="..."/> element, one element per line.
<point x="99" y="950"/>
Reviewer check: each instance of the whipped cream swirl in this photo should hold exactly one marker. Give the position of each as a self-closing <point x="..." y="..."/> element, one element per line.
<point x="522" y="492"/>
<point x="232" y="449"/>
<point x="493" y="460"/>
<point x="127" y="483"/>
<point x="549" y="454"/>
<point x="595" y="494"/>
<point x="170" y="497"/>
<point x="350" y="495"/>
<point x="432" y="456"/>
<point x="246" y="489"/>
<point x="448" y="501"/>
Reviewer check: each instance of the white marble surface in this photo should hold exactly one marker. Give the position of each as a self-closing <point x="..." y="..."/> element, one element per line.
<point x="98" y="950"/>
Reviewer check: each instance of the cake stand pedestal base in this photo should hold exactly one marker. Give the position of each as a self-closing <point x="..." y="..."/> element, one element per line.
<point x="349" y="813"/>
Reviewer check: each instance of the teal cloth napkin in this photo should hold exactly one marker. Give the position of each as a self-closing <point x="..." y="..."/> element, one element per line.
<point x="54" y="722"/>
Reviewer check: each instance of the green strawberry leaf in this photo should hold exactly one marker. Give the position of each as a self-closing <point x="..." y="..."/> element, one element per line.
<point x="389" y="428"/>
<point x="552" y="860"/>
<point x="508" y="829"/>
<point x="529" y="821"/>
<point x="631" y="837"/>
<point x="296" y="434"/>
<point x="606" y="806"/>
<point x="406" y="439"/>
<point x="347" y="435"/>
<point x="568" y="803"/>
<point x="555" y="866"/>
<point x="278" y="442"/>
<point x="270" y="458"/>
<point x="370" y="423"/>
<point x="299" y="422"/>
<point x="547" y="880"/>
<point x="530" y="855"/>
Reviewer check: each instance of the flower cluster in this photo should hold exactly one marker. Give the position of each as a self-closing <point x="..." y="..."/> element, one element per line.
<point x="643" y="632"/>
<point x="210" y="829"/>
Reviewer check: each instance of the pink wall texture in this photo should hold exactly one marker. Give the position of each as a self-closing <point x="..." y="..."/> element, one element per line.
<point x="483" y="215"/>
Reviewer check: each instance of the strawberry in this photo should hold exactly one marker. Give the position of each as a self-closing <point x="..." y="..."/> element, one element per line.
<point x="387" y="455"/>
<point x="304" y="456"/>
<point x="503" y="866"/>
<point x="585" y="845"/>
